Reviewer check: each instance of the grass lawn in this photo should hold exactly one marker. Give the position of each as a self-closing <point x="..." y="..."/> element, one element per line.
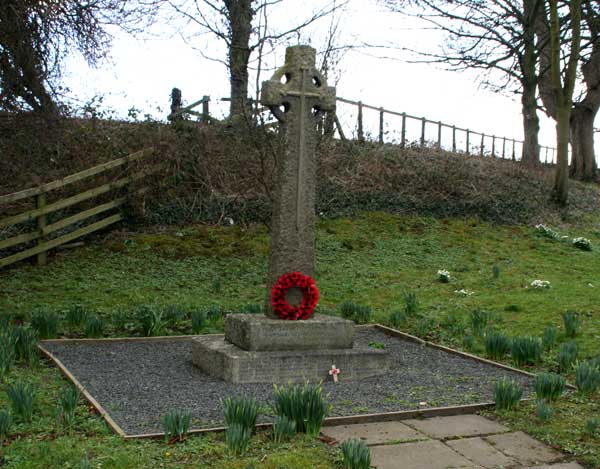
<point x="374" y="260"/>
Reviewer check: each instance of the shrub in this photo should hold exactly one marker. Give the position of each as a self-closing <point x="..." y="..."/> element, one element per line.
<point x="425" y="327"/>
<point x="356" y="454"/>
<point x="361" y="314"/>
<point x="5" y="424"/>
<point x="469" y="342"/>
<point x="591" y="427"/>
<point x="242" y="411"/>
<point x="497" y="345"/>
<point x="7" y="353"/>
<point x="549" y="337"/>
<point x="411" y="304"/>
<point x="21" y="396"/>
<point x="173" y="314"/>
<point x="572" y="323"/>
<point x="526" y="350"/>
<point x="302" y="404"/>
<point x="75" y="315"/>
<point x="94" y="326"/>
<point x="479" y="321"/>
<point x="120" y="319"/>
<point x="216" y="284"/>
<point x="198" y="320"/>
<point x="151" y="320"/>
<point x="567" y="355"/>
<point x="543" y="410"/>
<point x="283" y="429"/>
<point x="549" y="386"/>
<point x="587" y="377"/>
<point x="507" y="394"/>
<point x="68" y="400"/>
<point x="214" y="313"/>
<point x="176" y="424"/>
<point x="45" y="323"/>
<point x="237" y="437"/>
<point x="25" y="345"/>
<point x="397" y="319"/>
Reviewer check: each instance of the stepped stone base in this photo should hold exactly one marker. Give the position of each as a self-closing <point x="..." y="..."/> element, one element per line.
<point x="256" y="332"/>
<point x="222" y="359"/>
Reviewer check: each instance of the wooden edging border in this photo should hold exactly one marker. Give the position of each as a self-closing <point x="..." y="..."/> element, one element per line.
<point x="330" y="421"/>
<point x="111" y="423"/>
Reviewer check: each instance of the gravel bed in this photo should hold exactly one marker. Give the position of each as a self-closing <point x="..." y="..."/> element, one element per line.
<point x="139" y="381"/>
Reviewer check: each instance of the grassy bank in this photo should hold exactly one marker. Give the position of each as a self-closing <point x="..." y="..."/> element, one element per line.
<point x="374" y="259"/>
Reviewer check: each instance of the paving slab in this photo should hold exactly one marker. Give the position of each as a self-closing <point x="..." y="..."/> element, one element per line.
<point x="481" y="452"/>
<point x="523" y="448"/>
<point x="564" y="465"/>
<point x="375" y="433"/>
<point x="429" y="454"/>
<point x="457" y="426"/>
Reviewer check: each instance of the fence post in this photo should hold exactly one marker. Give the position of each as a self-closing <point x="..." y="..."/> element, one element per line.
<point x="40" y="202"/>
<point x="514" y="155"/>
<point x="481" y="150"/>
<point x="503" y="146"/>
<point x="403" y="134"/>
<point x="381" y="111"/>
<point x="339" y="127"/>
<point x="454" y="139"/>
<point x="546" y="156"/>
<point x="423" y="122"/>
<point x="493" y="146"/>
<point x="361" y="134"/>
<point x="205" y="108"/>
<point x="468" y="142"/>
<point x="439" y="142"/>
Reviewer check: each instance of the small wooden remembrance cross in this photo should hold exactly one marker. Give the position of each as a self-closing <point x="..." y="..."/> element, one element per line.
<point x="298" y="95"/>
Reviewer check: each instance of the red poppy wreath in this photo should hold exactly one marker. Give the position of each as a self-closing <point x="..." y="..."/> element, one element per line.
<point x="310" y="296"/>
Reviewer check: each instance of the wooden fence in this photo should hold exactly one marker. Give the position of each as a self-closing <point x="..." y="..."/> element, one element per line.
<point x="36" y="219"/>
<point x="498" y="146"/>
<point x="474" y="142"/>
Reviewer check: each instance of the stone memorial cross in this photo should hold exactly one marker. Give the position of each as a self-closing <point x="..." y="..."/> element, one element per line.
<point x="298" y="95"/>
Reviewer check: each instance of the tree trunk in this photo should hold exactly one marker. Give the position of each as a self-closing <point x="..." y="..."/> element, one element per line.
<point x="240" y="14"/>
<point x="531" y="127"/>
<point x="531" y="122"/>
<point x="583" y="161"/>
<point x="561" y="177"/>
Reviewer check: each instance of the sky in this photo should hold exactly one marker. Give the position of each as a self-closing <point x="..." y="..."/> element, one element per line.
<point x="142" y="71"/>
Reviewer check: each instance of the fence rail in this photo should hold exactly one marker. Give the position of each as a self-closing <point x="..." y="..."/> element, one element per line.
<point x="42" y="209"/>
<point x="501" y="146"/>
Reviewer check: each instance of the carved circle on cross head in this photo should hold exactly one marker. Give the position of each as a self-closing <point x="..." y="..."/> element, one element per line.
<point x="274" y="90"/>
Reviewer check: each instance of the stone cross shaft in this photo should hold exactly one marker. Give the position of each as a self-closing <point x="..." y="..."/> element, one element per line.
<point x="298" y="95"/>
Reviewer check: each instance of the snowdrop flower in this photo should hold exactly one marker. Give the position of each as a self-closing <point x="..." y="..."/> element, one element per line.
<point x="540" y="284"/>
<point x="443" y="276"/>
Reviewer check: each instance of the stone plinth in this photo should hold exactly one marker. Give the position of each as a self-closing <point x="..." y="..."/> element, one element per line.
<point x="222" y="359"/>
<point x="255" y="332"/>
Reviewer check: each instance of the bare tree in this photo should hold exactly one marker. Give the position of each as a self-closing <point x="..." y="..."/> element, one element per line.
<point x="242" y="25"/>
<point x="496" y="37"/>
<point x="585" y="107"/>
<point x="563" y="74"/>
<point x="36" y="35"/>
